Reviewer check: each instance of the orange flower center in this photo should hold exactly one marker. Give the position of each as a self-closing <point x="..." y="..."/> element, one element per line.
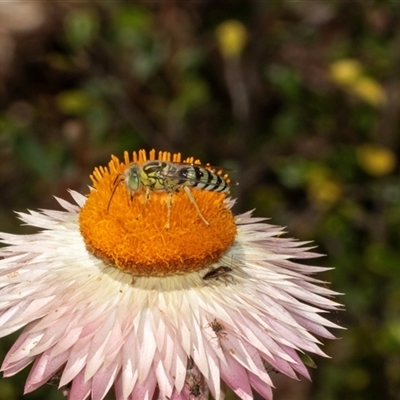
<point x="150" y="231"/>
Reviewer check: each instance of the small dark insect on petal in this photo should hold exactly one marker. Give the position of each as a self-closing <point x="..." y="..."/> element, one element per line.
<point x="55" y="381"/>
<point x="219" y="273"/>
<point x="194" y="380"/>
<point x="218" y="328"/>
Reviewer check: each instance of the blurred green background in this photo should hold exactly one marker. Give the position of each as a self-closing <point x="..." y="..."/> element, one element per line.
<point x="301" y="98"/>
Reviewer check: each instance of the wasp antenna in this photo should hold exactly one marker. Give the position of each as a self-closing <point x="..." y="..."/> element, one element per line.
<point x="116" y="182"/>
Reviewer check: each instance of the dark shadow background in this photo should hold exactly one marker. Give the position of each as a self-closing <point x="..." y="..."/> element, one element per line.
<point x="302" y="98"/>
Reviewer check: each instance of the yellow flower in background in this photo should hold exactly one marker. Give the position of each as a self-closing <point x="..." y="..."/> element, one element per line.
<point x="375" y="159"/>
<point x="151" y="285"/>
<point x="349" y="75"/>
<point x="231" y="37"/>
<point x="324" y="193"/>
<point x="345" y="72"/>
<point x="369" y="90"/>
<point x="323" y="190"/>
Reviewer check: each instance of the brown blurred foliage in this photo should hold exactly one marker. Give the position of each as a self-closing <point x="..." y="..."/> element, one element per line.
<point x="300" y="98"/>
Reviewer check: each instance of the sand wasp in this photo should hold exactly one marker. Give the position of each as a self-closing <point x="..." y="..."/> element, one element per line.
<point x="172" y="178"/>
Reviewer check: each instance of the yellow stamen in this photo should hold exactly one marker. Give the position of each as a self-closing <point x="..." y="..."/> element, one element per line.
<point x="131" y="234"/>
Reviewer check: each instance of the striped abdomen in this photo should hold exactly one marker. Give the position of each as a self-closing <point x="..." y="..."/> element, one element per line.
<point x="202" y="179"/>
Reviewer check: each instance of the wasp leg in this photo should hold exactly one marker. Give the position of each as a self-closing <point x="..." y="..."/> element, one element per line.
<point x="146" y="199"/>
<point x="169" y="205"/>
<point x="131" y="195"/>
<point x="191" y="198"/>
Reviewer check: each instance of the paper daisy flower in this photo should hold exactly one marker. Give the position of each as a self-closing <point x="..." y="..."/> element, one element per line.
<point x="152" y="286"/>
